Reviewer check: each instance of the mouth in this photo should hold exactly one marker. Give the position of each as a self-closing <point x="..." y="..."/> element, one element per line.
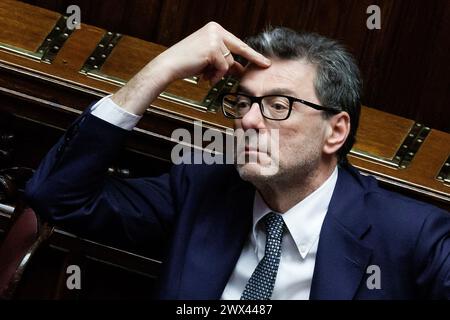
<point x="248" y="150"/>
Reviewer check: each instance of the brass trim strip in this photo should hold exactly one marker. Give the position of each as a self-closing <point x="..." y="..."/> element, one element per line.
<point x="6" y="208"/>
<point x="193" y="80"/>
<point x="21" y="52"/>
<point x="48" y="50"/>
<point x="405" y="154"/>
<point x="223" y="86"/>
<point x="96" y="74"/>
<point x="101" y="52"/>
<point x="444" y="173"/>
<point x="163" y="95"/>
<point x="55" y="40"/>
<point x="391" y="180"/>
<point x="181" y="100"/>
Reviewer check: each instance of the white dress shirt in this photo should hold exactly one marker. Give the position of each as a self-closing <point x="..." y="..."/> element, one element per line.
<point x="298" y="249"/>
<point x="108" y="110"/>
<point x="300" y="241"/>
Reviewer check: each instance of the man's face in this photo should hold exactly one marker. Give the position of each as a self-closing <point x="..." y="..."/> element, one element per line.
<point x="301" y="136"/>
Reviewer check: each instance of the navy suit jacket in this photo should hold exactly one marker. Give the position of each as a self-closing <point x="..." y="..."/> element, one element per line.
<point x="204" y="213"/>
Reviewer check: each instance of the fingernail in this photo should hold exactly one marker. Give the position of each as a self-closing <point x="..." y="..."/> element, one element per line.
<point x="267" y="61"/>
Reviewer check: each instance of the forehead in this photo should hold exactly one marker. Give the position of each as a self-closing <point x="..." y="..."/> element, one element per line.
<point x="293" y="75"/>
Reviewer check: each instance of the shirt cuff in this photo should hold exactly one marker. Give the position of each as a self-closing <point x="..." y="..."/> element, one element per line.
<point x="109" y="111"/>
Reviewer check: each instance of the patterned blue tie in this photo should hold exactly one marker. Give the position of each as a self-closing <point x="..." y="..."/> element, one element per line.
<point x="261" y="283"/>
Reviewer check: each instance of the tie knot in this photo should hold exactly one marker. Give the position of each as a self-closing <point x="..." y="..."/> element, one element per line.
<point x="274" y="225"/>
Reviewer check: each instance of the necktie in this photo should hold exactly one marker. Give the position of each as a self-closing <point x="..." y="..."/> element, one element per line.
<point x="261" y="283"/>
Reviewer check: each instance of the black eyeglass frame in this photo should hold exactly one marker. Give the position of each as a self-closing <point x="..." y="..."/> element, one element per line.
<point x="291" y="100"/>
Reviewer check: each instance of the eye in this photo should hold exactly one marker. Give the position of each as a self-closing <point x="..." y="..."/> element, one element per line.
<point x="277" y="104"/>
<point x="242" y="102"/>
<point x="279" y="107"/>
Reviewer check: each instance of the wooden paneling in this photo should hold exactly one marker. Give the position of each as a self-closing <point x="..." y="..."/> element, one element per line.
<point x="43" y="99"/>
<point x="381" y="134"/>
<point x="54" y="94"/>
<point x="404" y="64"/>
<point x="30" y="37"/>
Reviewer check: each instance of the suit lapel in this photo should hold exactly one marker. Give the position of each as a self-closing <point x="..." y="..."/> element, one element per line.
<point x="342" y="258"/>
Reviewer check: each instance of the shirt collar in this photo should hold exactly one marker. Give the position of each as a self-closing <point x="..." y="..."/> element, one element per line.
<point x="305" y="219"/>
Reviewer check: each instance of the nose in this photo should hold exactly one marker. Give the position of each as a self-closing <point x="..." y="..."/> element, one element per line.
<point x="253" y="119"/>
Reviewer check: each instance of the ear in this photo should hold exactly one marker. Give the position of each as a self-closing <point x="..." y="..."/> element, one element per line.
<point x="337" y="132"/>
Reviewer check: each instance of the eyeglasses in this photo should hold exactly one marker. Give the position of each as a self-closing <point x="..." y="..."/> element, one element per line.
<point x="273" y="107"/>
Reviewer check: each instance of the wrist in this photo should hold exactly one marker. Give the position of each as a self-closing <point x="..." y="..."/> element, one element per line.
<point x="137" y="95"/>
<point x="164" y="67"/>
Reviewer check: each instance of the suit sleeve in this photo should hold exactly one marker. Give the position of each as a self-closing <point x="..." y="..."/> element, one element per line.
<point x="71" y="188"/>
<point x="433" y="256"/>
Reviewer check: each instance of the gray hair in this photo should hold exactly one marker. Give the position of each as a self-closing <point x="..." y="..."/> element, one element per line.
<point x="337" y="82"/>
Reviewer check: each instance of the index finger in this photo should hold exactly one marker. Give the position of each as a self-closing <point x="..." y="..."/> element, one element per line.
<point x="236" y="45"/>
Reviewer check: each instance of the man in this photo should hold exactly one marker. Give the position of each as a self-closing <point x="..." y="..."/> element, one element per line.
<point x="310" y="229"/>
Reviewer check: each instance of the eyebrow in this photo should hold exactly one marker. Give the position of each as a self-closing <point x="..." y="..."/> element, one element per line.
<point x="275" y="91"/>
<point x="242" y="89"/>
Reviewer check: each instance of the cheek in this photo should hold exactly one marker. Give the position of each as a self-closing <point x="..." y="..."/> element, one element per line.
<point x="292" y="132"/>
<point x="296" y="138"/>
<point x="290" y="143"/>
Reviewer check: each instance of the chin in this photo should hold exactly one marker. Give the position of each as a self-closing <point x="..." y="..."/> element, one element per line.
<point x="255" y="172"/>
<point x="256" y="166"/>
